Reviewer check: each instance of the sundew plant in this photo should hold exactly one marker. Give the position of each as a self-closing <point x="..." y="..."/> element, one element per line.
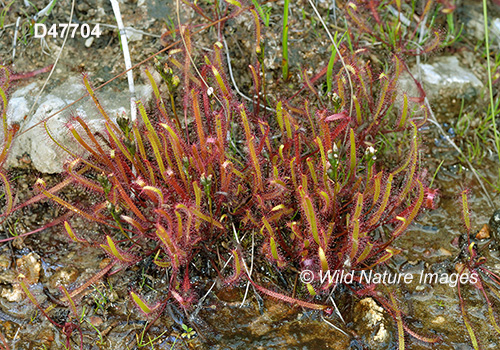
<point x="202" y="173"/>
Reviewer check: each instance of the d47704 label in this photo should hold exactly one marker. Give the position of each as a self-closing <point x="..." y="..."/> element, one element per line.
<point x="59" y="30"/>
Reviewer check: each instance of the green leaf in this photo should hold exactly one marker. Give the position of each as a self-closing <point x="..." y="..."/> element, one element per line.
<point x="234" y="2"/>
<point x="113" y="250"/>
<point x="142" y="305"/>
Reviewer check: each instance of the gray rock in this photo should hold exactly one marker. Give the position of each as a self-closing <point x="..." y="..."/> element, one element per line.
<point x="494" y="224"/>
<point x="446" y="82"/>
<point x="472" y="17"/>
<point x="495" y="31"/>
<point x="474" y="25"/>
<point x="46" y="156"/>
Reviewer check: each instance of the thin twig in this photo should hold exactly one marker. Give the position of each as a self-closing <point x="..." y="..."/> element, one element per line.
<point x="249" y="272"/>
<point x="333" y="326"/>
<point x="126" y="57"/>
<point x="14" y="42"/>
<point x="337" y="311"/>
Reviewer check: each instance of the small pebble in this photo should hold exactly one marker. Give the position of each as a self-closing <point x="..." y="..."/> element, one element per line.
<point x="444" y="252"/>
<point x="439" y="320"/>
<point x="484" y="232"/>
<point x="4" y="261"/>
<point x="30" y="266"/>
<point x="16" y="294"/>
<point x="96" y="321"/>
<point x="89" y="41"/>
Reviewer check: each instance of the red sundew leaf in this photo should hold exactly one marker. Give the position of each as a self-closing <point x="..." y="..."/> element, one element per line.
<point x="288" y="299"/>
<point x="71" y="302"/>
<point x="433" y="44"/>
<point x="113" y="250"/>
<point x="145" y="308"/>
<point x="97" y="146"/>
<point x="288" y="123"/>
<point x="373" y="8"/>
<point x="199" y="123"/>
<point x="310" y="214"/>
<point x="390" y="252"/>
<point x="40" y="184"/>
<point x="32" y="298"/>
<point x="491" y="314"/>
<point x="134" y="223"/>
<point x="399" y="321"/>
<point x="159" y="101"/>
<point x="256" y="81"/>
<point x="431" y="196"/>
<point x="449" y="6"/>
<point x="84" y="144"/>
<point x="308" y="83"/>
<point x="72" y="234"/>
<point x="323" y="259"/>
<point x="177" y="150"/>
<point x="8" y="194"/>
<point x="126" y="198"/>
<point x="81" y="179"/>
<point x="338" y="116"/>
<point x="200" y="215"/>
<point x="352" y="168"/>
<point x="421" y="337"/>
<point x="251" y="149"/>
<point x="465" y="211"/>
<point x="237" y="265"/>
<point x="366" y="251"/>
<point x="469" y="328"/>
<point x="153" y="193"/>
<point x="258" y="35"/>
<point x="415" y="208"/>
<point x="340" y="128"/>
<point x="385" y="200"/>
<point x="234" y="2"/>
<point x="123" y="149"/>
<point x="10" y="136"/>
<point x="27" y="75"/>
<point x="166" y="239"/>
<point x="355" y="235"/>
<point x="279" y="115"/>
<point x="91" y="92"/>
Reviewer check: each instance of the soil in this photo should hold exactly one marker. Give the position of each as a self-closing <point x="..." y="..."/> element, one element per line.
<point x="109" y="319"/>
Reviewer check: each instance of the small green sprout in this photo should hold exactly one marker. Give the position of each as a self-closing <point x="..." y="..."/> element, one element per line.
<point x="188" y="333"/>
<point x="101" y="339"/>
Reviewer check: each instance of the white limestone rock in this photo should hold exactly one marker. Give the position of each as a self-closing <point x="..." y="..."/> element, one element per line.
<point x="46" y="156"/>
